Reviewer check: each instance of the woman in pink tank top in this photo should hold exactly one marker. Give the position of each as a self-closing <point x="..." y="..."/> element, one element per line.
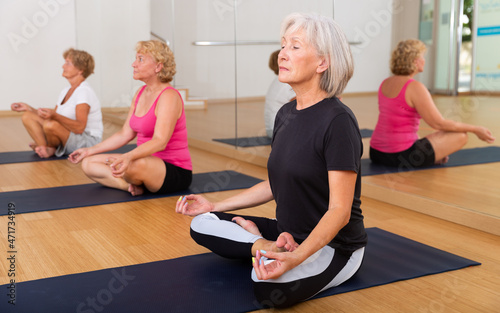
<point x="402" y="102"/>
<point x="161" y="162"/>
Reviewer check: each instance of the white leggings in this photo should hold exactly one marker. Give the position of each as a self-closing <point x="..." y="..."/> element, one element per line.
<point x="325" y="269"/>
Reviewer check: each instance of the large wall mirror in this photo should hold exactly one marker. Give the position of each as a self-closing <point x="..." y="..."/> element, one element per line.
<point x="222" y="50"/>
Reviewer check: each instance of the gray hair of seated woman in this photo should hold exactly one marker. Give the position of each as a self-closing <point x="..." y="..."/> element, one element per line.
<point x="330" y="42"/>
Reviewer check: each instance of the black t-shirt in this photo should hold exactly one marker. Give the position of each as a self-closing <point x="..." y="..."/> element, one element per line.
<point x="306" y="145"/>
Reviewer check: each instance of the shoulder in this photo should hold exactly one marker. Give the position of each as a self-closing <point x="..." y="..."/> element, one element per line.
<point x="415" y="85"/>
<point x="170" y="102"/>
<point x="84" y="87"/>
<point x="334" y="107"/>
<point x="333" y="116"/>
<point x="85" y="90"/>
<point x="85" y="94"/>
<point x="171" y="95"/>
<point x="342" y="114"/>
<point x="416" y="89"/>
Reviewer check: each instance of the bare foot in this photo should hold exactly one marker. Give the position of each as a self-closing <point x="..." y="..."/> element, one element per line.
<point x="33" y="145"/>
<point x="443" y="160"/>
<point x="286" y="242"/>
<point x="247" y="225"/>
<point x="45" y="152"/>
<point x="135" y="190"/>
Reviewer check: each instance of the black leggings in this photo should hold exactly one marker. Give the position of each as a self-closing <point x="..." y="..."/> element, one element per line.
<point x="325" y="269"/>
<point x="176" y="179"/>
<point x="420" y="154"/>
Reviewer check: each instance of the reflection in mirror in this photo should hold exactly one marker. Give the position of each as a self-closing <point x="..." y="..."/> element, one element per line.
<point x="222" y="55"/>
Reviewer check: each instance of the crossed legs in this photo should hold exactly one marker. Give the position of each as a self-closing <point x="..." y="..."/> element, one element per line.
<point x="232" y="237"/>
<point x="148" y="172"/>
<point x="47" y="134"/>
<point x="445" y="143"/>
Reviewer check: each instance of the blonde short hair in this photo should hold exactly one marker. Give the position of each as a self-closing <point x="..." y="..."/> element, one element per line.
<point x="161" y="53"/>
<point x="329" y="41"/>
<point x="82" y="60"/>
<point x="404" y="56"/>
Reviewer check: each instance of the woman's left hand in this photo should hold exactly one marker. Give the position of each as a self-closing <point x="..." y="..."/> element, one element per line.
<point x="278" y="264"/>
<point x="46" y="113"/>
<point x="484" y="134"/>
<point x="118" y="165"/>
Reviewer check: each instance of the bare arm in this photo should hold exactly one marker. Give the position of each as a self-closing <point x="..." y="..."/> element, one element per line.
<point x="254" y="196"/>
<point x="342" y="185"/>
<point x="21" y="107"/>
<point x="115" y="141"/>
<point x="419" y="97"/>
<point x="77" y="125"/>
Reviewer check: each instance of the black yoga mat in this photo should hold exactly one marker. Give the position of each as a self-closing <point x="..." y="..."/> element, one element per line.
<point x="209" y="283"/>
<point x="366" y="133"/>
<point x="265" y="141"/>
<point x="45" y="199"/>
<point x="31" y="156"/>
<point x="459" y="158"/>
<point x="246" y="141"/>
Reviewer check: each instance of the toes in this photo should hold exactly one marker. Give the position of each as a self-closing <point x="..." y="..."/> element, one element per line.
<point x="247" y="225"/>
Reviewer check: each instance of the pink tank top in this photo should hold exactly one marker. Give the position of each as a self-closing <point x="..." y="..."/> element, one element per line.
<point x="176" y="152"/>
<point x="397" y="123"/>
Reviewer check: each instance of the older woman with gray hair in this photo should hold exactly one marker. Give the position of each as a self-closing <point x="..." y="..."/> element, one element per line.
<point x="161" y="162"/>
<point x="318" y="237"/>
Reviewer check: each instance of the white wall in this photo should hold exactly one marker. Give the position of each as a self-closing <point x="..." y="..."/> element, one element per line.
<point x="109" y="30"/>
<point x="162" y="19"/>
<point x="368" y="22"/>
<point x="33" y="36"/>
<point x="35" y="33"/>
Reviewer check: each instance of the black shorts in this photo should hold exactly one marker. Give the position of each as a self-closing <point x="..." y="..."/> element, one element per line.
<point x="420" y="154"/>
<point x="176" y="179"/>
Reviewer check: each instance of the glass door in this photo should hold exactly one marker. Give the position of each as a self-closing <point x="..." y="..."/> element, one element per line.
<point x="486" y="38"/>
<point x="448" y="31"/>
<point x="426" y="35"/>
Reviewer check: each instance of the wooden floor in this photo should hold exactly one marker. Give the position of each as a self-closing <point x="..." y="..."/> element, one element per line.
<point x="85" y="239"/>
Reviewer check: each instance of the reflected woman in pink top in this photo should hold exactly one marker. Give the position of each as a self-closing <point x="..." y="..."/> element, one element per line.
<point x="161" y="162"/>
<point x="403" y="101"/>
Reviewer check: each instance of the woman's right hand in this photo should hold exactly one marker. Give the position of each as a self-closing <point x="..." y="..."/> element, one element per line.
<point x="484" y="134"/>
<point x="19" y="107"/>
<point x="198" y="205"/>
<point x="78" y="155"/>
